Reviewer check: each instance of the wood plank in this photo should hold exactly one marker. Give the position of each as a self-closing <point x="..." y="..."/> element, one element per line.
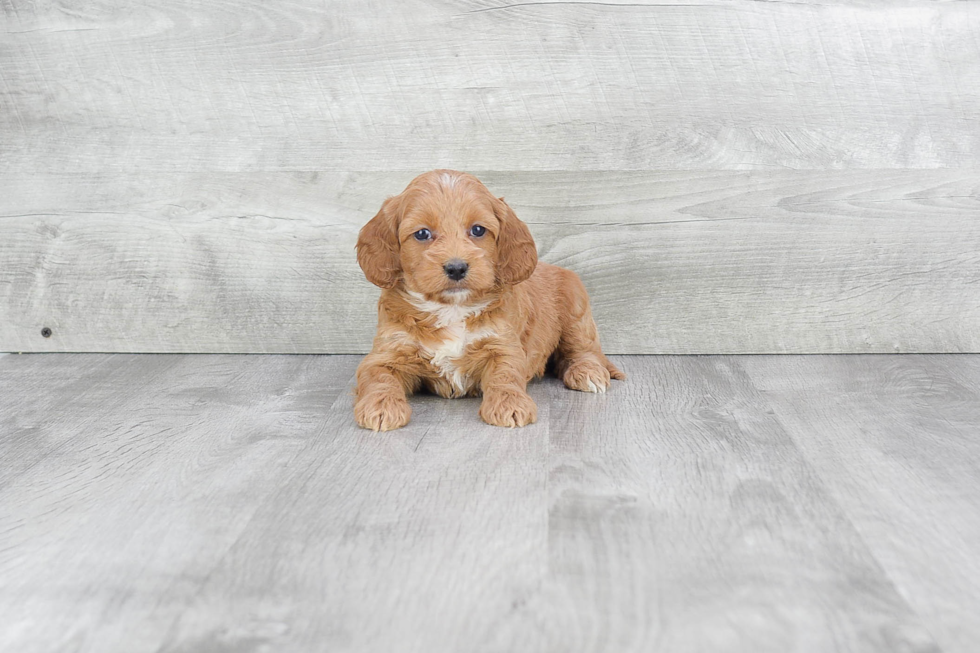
<point x="104" y="541"/>
<point x="228" y="504"/>
<point x="422" y="539"/>
<point x="684" y="518"/>
<point x="676" y="262"/>
<point x="894" y="440"/>
<point x="364" y="85"/>
<point x="46" y="402"/>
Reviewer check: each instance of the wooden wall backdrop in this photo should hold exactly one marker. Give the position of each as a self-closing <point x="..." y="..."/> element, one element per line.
<point x="727" y="176"/>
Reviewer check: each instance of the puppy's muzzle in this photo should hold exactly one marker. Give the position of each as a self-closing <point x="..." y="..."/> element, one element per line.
<point x="456" y="269"/>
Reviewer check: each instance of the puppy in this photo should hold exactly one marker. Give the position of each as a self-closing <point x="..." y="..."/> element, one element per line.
<point x="466" y="308"/>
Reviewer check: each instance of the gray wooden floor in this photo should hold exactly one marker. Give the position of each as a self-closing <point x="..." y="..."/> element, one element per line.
<point x="181" y="503"/>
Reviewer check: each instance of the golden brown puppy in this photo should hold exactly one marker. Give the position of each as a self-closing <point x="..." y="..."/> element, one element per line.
<point x="466" y="308"/>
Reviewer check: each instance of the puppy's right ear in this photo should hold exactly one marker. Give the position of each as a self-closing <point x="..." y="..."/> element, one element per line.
<point x="378" y="246"/>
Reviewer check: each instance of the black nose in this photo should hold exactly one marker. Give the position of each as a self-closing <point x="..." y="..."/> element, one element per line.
<point x="456" y="269"/>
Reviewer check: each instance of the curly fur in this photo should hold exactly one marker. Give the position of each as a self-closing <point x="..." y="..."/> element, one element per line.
<point x="487" y="334"/>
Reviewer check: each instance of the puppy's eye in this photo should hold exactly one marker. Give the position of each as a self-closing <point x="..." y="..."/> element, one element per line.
<point x="422" y="234"/>
<point x="477" y="230"/>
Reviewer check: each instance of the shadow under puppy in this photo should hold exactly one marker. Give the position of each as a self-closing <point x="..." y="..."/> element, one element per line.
<point x="466" y="307"/>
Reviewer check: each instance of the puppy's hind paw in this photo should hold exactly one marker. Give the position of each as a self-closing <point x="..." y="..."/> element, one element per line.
<point x="586" y="375"/>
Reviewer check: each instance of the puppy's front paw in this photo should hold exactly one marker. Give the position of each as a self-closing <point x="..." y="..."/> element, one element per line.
<point x="508" y="408"/>
<point x="587" y="375"/>
<point x="382" y="412"/>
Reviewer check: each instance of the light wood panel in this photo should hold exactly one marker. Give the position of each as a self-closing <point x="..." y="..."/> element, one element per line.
<point x="684" y="518"/>
<point x="367" y="85"/>
<point x="133" y="477"/>
<point x="727" y="177"/>
<point x="233" y="503"/>
<point x="229" y="503"/>
<point x="69" y="396"/>
<point x="676" y="262"/>
<point x="895" y="439"/>
<point x="424" y="539"/>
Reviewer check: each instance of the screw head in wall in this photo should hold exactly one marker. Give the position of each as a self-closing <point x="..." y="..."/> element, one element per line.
<point x="46" y="332"/>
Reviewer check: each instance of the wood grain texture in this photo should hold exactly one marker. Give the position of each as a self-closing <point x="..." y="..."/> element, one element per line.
<point x="424" y="539"/>
<point x="235" y="505"/>
<point x="128" y="493"/>
<point x="228" y="503"/>
<point x="895" y="440"/>
<point x="343" y="85"/>
<point x="46" y="423"/>
<point x="675" y="262"/>
<point x="684" y="518"/>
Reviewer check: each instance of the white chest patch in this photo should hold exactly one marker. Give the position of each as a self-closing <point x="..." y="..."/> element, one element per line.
<point x="446" y="356"/>
<point x="451" y="319"/>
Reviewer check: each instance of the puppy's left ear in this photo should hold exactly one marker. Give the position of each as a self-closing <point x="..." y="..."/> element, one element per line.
<point x="378" y="249"/>
<point x="516" y="254"/>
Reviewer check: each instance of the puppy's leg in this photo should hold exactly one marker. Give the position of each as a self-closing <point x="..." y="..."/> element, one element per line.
<point x="581" y="363"/>
<point x="504" y="384"/>
<point x="382" y="403"/>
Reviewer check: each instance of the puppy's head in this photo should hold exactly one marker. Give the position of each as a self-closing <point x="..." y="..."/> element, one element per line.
<point x="446" y="237"/>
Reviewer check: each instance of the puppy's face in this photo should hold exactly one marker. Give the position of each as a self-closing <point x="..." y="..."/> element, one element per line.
<point x="446" y="237"/>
